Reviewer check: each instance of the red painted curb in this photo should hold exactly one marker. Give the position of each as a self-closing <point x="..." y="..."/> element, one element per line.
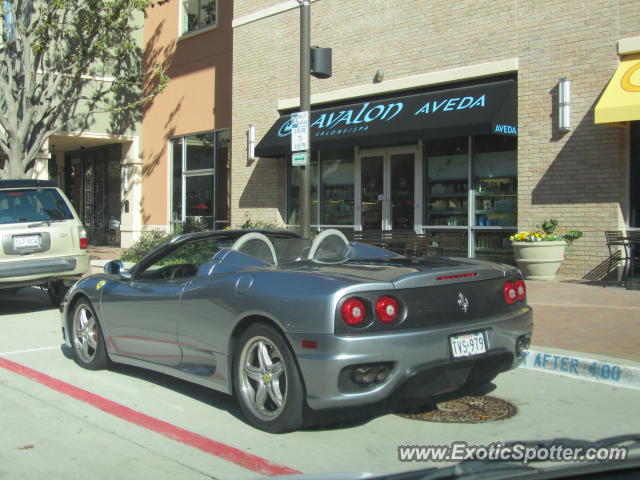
<point x="207" y="445"/>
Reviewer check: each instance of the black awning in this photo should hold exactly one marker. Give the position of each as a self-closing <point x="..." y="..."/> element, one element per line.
<point x="489" y="108"/>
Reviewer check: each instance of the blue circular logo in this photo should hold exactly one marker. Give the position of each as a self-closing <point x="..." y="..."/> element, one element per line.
<point x="285" y="129"/>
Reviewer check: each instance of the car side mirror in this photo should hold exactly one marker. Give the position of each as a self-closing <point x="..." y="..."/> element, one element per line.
<point x="116" y="267"/>
<point x="113" y="267"/>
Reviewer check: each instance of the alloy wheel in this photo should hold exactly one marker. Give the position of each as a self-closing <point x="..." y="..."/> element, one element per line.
<point x="85" y="334"/>
<point x="263" y="378"/>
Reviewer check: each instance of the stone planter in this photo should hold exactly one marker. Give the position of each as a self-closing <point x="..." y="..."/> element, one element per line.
<point x="539" y="260"/>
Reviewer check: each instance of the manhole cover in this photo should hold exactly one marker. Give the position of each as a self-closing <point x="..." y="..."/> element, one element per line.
<point x="468" y="409"/>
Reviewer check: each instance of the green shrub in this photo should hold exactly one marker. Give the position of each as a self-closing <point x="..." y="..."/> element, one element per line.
<point x="147" y="242"/>
<point x="193" y="224"/>
<point x="248" y="224"/>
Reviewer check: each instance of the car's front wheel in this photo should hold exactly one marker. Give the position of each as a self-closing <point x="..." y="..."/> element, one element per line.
<point x="267" y="382"/>
<point x="89" y="350"/>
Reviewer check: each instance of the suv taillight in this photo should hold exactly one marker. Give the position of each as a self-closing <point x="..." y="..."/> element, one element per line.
<point x="82" y="234"/>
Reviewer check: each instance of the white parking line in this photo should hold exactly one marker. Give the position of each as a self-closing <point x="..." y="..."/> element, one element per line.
<point x="31" y="350"/>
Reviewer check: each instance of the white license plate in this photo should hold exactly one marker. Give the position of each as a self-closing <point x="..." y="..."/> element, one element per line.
<point x="26" y="242"/>
<point x="468" y="344"/>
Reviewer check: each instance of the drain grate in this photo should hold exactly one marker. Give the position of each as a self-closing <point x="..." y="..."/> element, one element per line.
<point x="467" y="409"/>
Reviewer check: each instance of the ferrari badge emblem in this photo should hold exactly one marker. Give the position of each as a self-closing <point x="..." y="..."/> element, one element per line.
<point x="100" y="284"/>
<point x="463" y="302"/>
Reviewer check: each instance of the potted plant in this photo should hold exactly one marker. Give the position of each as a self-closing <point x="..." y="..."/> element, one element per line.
<point x="540" y="253"/>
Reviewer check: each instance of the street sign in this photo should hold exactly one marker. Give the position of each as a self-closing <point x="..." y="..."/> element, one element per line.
<point x="299" y="159"/>
<point x="299" y="131"/>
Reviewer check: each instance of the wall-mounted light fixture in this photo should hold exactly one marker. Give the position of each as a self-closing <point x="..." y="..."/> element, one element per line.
<point x="251" y="143"/>
<point x="125" y="178"/>
<point x="564" y="104"/>
<point x="379" y="76"/>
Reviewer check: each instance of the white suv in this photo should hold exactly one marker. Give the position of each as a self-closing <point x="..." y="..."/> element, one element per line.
<point x="43" y="242"/>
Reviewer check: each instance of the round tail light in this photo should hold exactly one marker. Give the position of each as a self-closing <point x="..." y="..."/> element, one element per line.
<point x="521" y="290"/>
<point x="387" y="309"/>
<point x="353" y="312"/>
<point x="510" y="294"/>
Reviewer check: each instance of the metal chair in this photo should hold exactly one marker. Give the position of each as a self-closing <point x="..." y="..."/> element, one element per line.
<point x="615" y="240"/>
<point x="633" y="242"/>
<point x="371" y="237"/>
<point x="415" y="245"/>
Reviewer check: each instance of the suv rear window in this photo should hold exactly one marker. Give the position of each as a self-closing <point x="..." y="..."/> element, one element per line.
<point x="32" y="205"/>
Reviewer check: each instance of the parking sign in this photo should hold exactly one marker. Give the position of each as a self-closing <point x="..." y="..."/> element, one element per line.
<point x="299" y="131"/>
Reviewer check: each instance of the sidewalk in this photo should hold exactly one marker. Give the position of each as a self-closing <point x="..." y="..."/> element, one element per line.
<point x="572" y="319"/>
<point x="585" y="330"/>
<point x="585" y="317"/>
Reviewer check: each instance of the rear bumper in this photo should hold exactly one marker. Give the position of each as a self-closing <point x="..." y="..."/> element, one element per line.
<point x="420" y="359"/>
<point x="23" y="273"/>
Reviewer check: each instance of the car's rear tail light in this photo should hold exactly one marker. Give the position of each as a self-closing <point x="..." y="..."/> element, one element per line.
<point x="387" y="309"/>
<point x="353" y="312"/>
<point x="82" y="234"/>
<point x="510" y="294"/>
<point x="521" y="290"/>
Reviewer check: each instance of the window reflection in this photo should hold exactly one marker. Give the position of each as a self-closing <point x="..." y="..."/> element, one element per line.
<point x="336" y="184"/>
<point x="201" y="164"/>
<point x="447" y="181"/>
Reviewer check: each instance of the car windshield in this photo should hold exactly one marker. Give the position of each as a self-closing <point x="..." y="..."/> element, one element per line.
<point x="32" y="205"/>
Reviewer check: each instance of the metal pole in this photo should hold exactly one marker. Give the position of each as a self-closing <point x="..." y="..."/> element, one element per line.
<point x="305" y="105"/>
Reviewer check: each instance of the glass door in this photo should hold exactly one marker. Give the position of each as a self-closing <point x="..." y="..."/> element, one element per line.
<point x="386" y="191"/>
<point x="372" y="191"/>
<point x="402" y="190"/>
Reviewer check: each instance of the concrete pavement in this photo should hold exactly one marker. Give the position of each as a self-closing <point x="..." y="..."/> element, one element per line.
<point x="54" y="433"/>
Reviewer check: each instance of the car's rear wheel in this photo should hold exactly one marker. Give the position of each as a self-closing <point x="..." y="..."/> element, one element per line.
<point x="57" y="290"/>
<point x="89" y="350"/>
<point x="267" y="382"/>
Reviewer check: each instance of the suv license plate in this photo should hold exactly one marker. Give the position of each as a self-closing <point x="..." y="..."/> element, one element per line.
<point x="468" y="344"/>
<point x="27" y="241"/>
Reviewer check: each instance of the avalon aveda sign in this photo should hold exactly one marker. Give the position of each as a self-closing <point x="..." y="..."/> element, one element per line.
<point x="488" y="108"/>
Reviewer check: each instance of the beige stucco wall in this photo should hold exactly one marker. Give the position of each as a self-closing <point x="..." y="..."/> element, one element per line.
<point x="578" y="177"/>
<point x="197" y="99"/>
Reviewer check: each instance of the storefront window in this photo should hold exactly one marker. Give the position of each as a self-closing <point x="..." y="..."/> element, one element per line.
<point x="333" y="177"/>
<point x="495" y="189"/>
<point x="446" y="185"/>
<point x="495" y="181"/>
<point x="200" y="168"/>
<point x="294" y="179"/>
<point x="486" y="213"/>
<point x="336" y="187"/>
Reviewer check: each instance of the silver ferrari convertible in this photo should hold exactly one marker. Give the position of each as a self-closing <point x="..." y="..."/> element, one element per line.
<point x="287" y="324"/>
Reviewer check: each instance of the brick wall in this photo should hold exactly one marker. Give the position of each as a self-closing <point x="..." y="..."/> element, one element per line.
<point x="577" y="177"/>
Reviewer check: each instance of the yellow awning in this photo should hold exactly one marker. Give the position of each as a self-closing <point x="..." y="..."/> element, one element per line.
<point x="620" y="101"/>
